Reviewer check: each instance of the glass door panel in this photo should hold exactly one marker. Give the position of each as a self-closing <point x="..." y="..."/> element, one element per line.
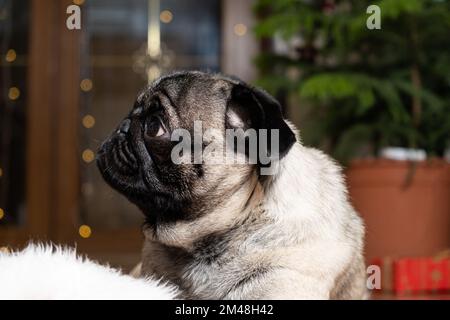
<point x="14" y="36"/>
<point x="126" y="44"/>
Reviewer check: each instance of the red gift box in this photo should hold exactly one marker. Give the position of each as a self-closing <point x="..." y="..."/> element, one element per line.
<point x="415" y="275"/>
<point x="421" y="275"/>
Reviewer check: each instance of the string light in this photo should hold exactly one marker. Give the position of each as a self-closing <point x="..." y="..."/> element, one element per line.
<point x="11" y="55"/>
<point x="86" y="85"/>
<point x="85" y="231"/>
<point x="88" y="121"/>
<point x="166" y="16"/>
<point x="88" y="156"/>
<point x="14" y="93"/>
<point x="78" y="2"/>
<point x="240" y="29"/>
<point x="2" y="213"/>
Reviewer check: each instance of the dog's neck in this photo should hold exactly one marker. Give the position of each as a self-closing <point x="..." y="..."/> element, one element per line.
<point x="238" y="206"/>
<point x="283" y="196"/>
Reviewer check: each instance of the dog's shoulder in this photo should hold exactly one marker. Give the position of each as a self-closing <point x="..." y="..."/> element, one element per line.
<point x="308" y="200"/>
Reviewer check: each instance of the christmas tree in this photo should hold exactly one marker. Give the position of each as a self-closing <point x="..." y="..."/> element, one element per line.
<point x="363" y="88"/>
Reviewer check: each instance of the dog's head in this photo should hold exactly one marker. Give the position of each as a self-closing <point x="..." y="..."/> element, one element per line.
<point x="137" y="159"/>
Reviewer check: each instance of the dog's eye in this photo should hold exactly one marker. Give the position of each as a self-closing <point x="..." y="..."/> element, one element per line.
<point x="155" y="105"/>
<point x="154" y="126"/>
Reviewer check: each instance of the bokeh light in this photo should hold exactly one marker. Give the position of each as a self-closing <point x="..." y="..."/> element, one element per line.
<point x="86" y="85"/>
<point x="88" y="156"/>
<point x="85" y="231"/>
<point x="166" y="16"/>
<point x="240" y="29"/>
<point x="11" y="55"/>
<point x="13" y="93"/>
<point x="88" y="121"/>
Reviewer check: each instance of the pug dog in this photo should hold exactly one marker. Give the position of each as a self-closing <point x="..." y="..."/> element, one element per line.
<point x="227" y="231"/>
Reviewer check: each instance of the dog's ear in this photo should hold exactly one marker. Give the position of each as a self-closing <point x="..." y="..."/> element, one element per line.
<point x="254" y="108"/>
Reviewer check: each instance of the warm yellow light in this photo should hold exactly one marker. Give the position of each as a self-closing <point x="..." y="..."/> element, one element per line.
<point x="2" y="213"/>
<point x="86" y="85"/>
<point x="166" y="16"/>
<point x="4" y="250"/>
<point x="240" y="29"/>
<point x="78" y="2"/>
<point x="85" y="231"/>
<point x="88" y="121"/>
<point x="1" y="172"/>
<point x="88" y="156"/>
<point x="153" y="72"/>
<point x="14" y="93"/>
<point x="11" y="55"/>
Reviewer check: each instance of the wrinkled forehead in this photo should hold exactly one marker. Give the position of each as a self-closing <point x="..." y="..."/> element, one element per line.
<point x="192" y="97"/>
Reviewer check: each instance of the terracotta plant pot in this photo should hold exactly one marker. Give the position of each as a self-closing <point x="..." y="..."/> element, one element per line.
<point x="407" y="213"/>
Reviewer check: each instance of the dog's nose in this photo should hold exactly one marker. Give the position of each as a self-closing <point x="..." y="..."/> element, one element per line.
<point x="124" y="126"/>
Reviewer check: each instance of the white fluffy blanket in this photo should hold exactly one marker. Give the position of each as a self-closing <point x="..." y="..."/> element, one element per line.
<point x="53" y="272"/>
